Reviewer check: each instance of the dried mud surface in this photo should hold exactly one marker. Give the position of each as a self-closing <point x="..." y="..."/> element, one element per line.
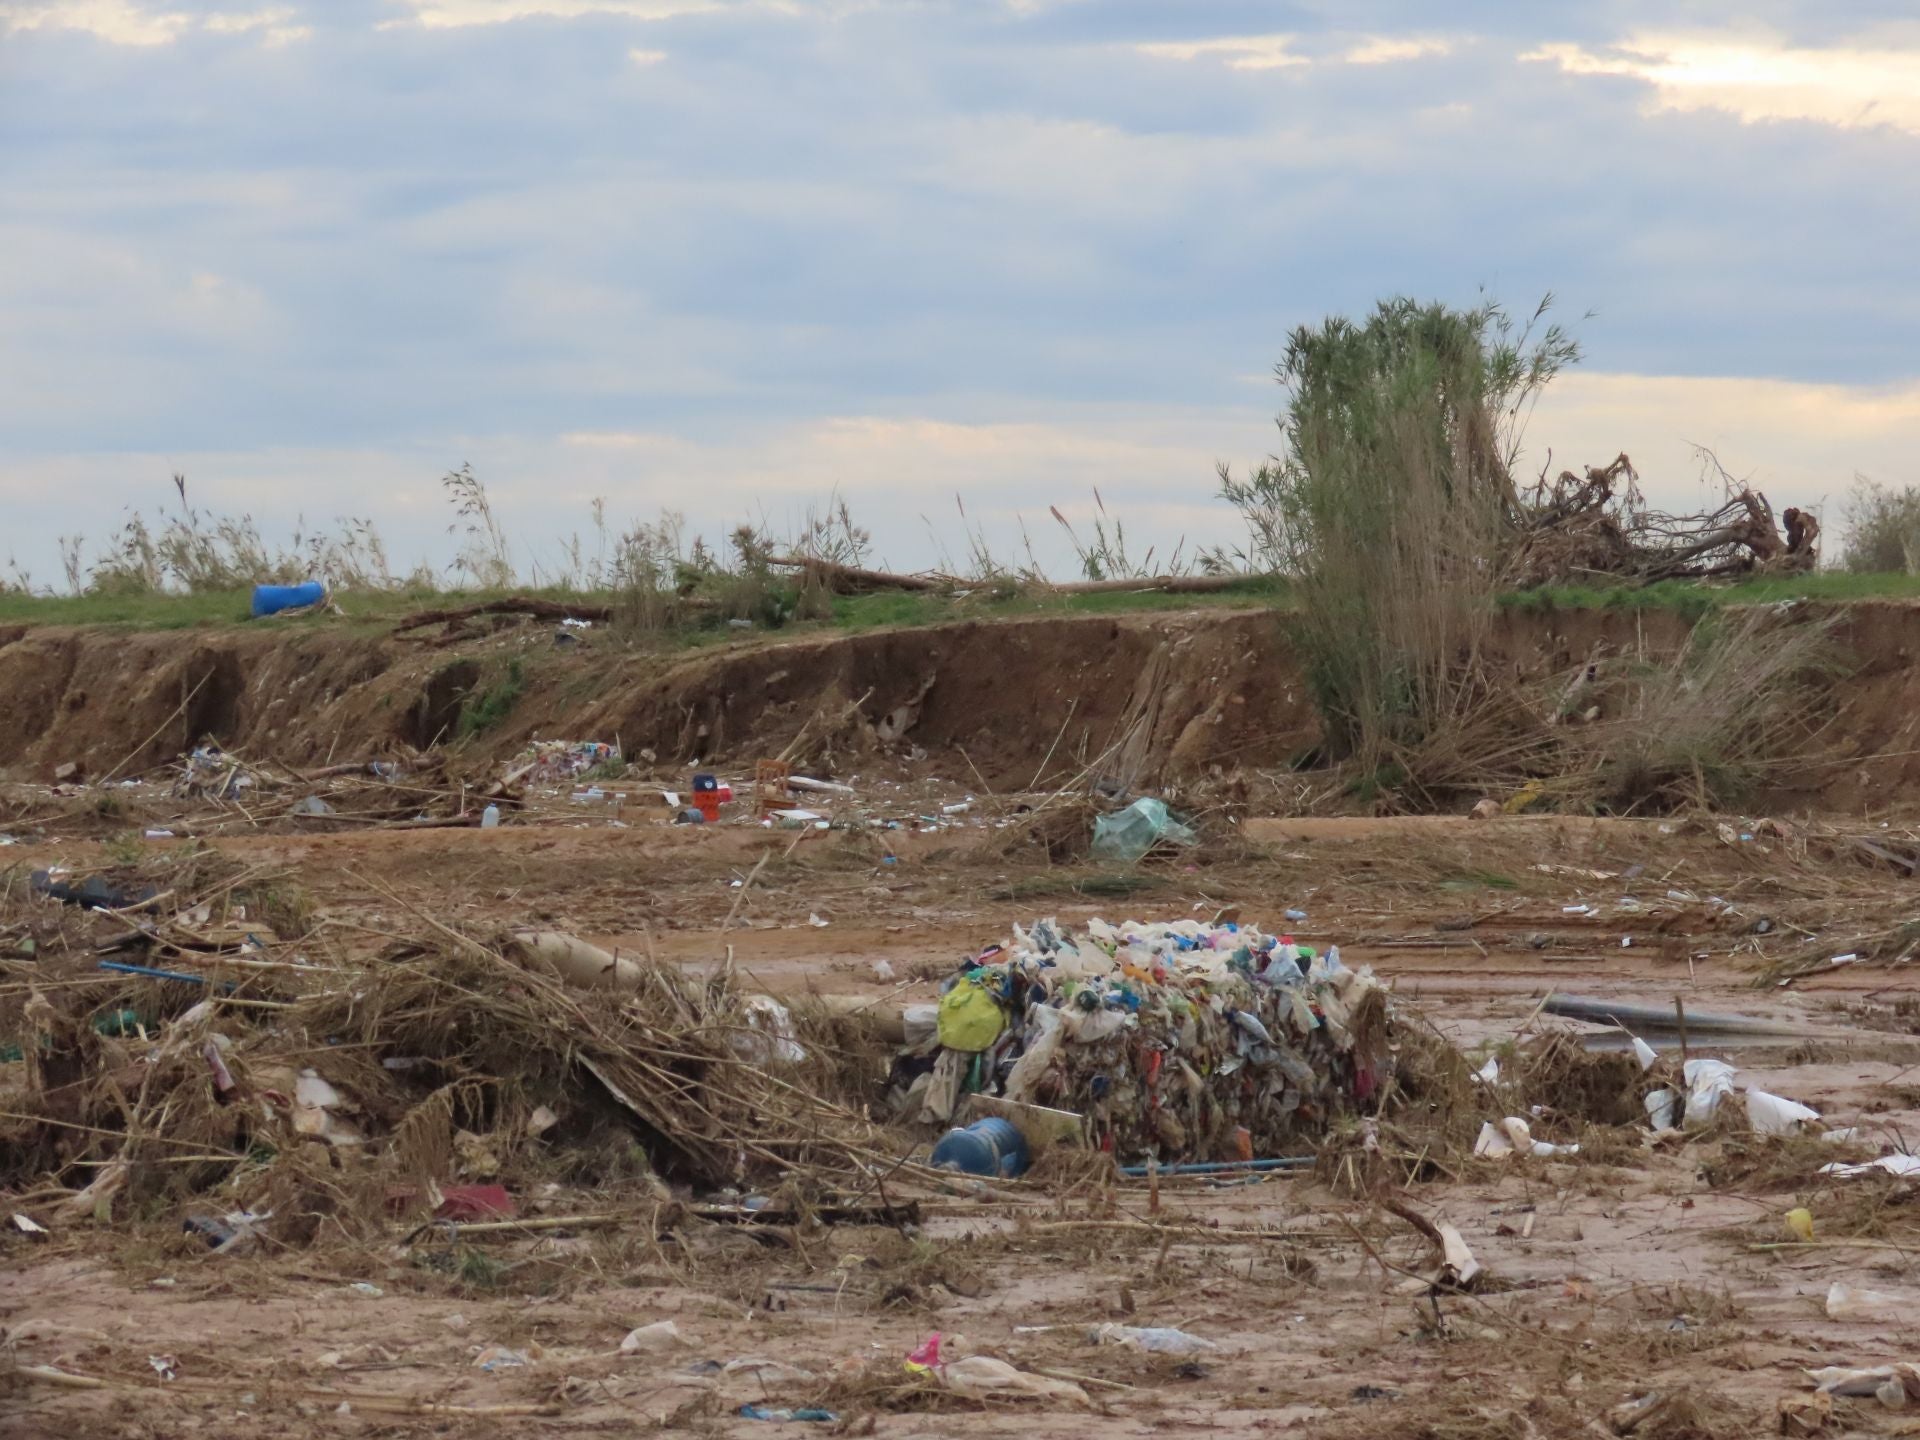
<point x="1627" y="1270"/>
<point x="1164" y="697"/>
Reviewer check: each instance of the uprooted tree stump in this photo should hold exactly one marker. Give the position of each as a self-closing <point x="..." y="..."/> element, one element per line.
<point x="1597" y="525"/>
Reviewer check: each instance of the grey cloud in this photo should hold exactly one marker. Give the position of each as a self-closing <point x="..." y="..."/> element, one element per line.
<point x="395" y="237"/>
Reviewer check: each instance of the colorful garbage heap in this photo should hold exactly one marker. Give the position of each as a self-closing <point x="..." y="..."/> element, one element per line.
<point x="552" y="762"/>
<point x="1172" y="1041"/>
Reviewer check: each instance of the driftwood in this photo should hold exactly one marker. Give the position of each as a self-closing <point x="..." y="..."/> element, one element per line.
<point x="1164" y="584"/>
<point x="1581" y="527"/>
<point x="851" y="580"/>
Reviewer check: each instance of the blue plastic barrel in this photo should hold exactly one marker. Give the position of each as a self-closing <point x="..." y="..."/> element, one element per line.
<point x="986" y="1147"/>
<point x="272" y="599"/>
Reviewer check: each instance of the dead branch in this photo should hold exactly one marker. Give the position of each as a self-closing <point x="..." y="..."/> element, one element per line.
<point x="852" y="580"/>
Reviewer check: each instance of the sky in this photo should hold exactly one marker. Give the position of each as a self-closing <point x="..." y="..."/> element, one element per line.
<point x="735" y="258"/>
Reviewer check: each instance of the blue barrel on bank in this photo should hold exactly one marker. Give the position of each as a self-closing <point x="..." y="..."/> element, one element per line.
<point x="990" y="1146"/>
<point x="272" y="599"/>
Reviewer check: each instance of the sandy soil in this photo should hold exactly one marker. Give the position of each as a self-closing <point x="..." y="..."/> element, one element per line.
<point x="1625" y="1271"/>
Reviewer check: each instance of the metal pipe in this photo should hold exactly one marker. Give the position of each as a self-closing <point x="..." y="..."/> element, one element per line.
<point x="1661" y="1017"/>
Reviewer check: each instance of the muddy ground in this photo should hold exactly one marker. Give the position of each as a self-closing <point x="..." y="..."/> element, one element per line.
<point x="1633" y="1269"/>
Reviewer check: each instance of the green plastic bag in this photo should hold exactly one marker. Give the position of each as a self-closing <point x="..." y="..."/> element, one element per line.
<point x="1128" y="834"/>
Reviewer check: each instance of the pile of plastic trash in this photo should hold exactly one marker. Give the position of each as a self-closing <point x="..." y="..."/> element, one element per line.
<point x="1171" y="1041"/>
<point x="209" y="773"/>
<point x="550" y="762"/>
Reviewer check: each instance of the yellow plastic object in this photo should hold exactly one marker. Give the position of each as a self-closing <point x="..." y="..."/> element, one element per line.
<point x="1523" y="798"/>
<point x="1800" y="1222"/>
<point x="970" y="1018"/>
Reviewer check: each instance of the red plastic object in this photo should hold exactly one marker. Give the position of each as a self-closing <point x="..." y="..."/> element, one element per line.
<point x="707" y="802"/>
<point x="927" y="1357"/>
<point x="475" y="1202"/>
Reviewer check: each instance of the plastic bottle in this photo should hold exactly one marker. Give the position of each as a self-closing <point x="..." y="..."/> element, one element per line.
<point x="1155" y="1339"/>
<point x="490" y="818"/>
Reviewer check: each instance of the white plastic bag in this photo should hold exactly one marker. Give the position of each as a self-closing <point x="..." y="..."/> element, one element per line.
<point x="1708" y="1083"/>
<point x="1155" y="1339"/>
<point x="983" y="1377"/>
<point x="1849" y="1302"/>
<point x="1772" y="1115"/>
<point x="1662" y="1110"/>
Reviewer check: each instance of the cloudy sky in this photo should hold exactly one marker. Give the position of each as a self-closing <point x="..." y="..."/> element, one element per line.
<point x="727" y="257"/>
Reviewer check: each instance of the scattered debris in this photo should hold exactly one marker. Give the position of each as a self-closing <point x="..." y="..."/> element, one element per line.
<point x="659" y="1337"/>
<point x="1902" y="1165"/>
<point x="1129" y="834"/>
<point x="1514" y="1136"/>
<point x="1162" y="1340"/>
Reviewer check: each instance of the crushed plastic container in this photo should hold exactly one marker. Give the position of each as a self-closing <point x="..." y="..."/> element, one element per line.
<point x="1129" y="834"/>
<point x="990" y="1146"/>
<point x="1155" y="1339"/>
<point x="272" y="599"/>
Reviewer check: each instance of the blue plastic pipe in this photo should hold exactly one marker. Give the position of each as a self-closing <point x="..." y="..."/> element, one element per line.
<point x="121" y="967"/>
<point x="272" y="599"/>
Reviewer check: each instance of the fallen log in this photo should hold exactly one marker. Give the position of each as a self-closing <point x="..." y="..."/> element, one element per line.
<point x="576" y="962"/>
<point x="852" y="580"/>
<point x="1163" y="584"/>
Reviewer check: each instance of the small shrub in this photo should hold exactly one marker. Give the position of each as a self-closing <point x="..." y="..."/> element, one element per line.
<point x="1706" y="727"/>
<point x="1388" y="505"/>
<point x="1882" y="529"/>
<point x="485" y="554"/>
<point x="484" y="709"/>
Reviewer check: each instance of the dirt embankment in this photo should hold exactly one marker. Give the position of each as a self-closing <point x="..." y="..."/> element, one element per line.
<point x="1152" y="697"/>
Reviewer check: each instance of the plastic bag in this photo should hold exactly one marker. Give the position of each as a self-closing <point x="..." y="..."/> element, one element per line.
<point x="1849" y="1302"/>
<point x="768" y="1034"/>
<point x="1031" y="1068"/>
<point x="1129" y="834"/>
<point x="1155" y="1339"/>
<point x="1663" y="1108"/>
<point x="970" y="1018"/>
<point x="1772" y="1115"/>
<point x="982" y="1377"/>
<point x="1708" y="1083"/>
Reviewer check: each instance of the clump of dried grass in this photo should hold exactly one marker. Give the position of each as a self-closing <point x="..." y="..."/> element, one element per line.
<point x="679" y="1072"/>
<point x="1425" y="1115"/>
<point x="1598" y="1087"/>
<point x="1739" y="704"/>
<point x="680" y="1054"/>
<point x="1777" y="1163"/>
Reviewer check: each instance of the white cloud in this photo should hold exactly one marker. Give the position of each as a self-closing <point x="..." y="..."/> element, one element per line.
<point x="1276" y="52"/>
<point x="275" y="24"/>
<point x="1800" y="443"/>
<point x="118" y="22"/>
<point x="455" y="14"/>
<point x="1383" y="50"/>
<point x="1761" y="77"/>
<point x="646" y="57"/>
<point x="1237" y="52"/>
